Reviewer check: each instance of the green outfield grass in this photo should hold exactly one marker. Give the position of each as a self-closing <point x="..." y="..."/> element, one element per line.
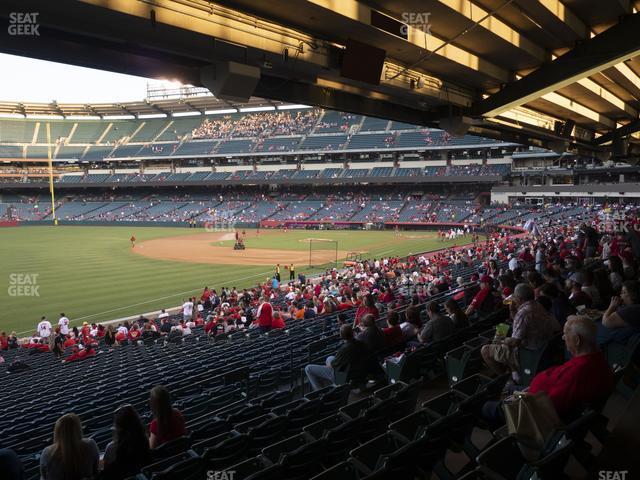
<point x="90" y="273"/>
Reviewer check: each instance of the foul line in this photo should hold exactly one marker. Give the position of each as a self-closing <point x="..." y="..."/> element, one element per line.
<point x="153" y="300"/>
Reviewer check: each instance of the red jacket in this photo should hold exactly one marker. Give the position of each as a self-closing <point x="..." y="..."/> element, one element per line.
<point x="266" y="315"/>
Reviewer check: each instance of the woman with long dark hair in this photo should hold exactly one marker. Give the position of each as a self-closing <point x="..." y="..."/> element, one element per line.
<point x="129" y="451"/>
<point x="70" y="457"/>
<point x="168" y="423"/>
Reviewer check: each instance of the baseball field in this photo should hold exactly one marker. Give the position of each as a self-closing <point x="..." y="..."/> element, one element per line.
<point x="93" y="273"/>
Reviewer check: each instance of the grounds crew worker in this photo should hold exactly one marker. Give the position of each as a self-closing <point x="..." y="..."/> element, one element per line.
<point x="292" y="272"/>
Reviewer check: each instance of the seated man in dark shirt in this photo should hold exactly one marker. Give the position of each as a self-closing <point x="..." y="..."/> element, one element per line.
<point x="371" y="335"/>
<point x="353" y="356"/>
<point x="437" y="327"/>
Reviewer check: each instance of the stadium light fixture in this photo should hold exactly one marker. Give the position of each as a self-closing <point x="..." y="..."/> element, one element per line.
<point x="152" y="115"/>
<point x="46" y="117"/>
<point x="222" y="111"/>
<point x="186" y="114"/>
<point x="292" y="107"/>
<point x="257" y="109"/>
<point x="83" y="117"/>
<point x="119" y="117"/>
<point x="11" y="115"/>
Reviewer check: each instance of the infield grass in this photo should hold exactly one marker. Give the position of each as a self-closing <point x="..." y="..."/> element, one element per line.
<point x="90" y="273"/>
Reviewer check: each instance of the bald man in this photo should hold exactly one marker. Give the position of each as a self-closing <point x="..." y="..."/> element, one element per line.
<point x="585" y="379"/>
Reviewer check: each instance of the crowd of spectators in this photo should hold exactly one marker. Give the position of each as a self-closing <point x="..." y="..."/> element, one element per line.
<point x="258" y="125"/>
<point x="572" y="276"/>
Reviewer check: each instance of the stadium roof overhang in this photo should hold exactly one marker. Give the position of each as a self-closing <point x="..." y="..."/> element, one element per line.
<point x="552" y="73"/>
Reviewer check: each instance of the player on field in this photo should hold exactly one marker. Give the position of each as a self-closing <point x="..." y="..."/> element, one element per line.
<point x="63" y="323"/>
<point x="133" y="241"/>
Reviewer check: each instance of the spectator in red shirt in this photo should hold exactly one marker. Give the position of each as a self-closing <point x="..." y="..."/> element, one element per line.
<point x="277" y="321"/>
<point x="393" y="332"/>
<point x="81" y="354"/>
<point x="210" y="325"/>
<point x="264" y="315"/>
<point x="583" y="381"/>
<point x="4" y="341"/>
<point x="483" y="300"/>
<point x="168" y="423"/>
<point x="367" y="307"/>
<point x="134" y="333"/>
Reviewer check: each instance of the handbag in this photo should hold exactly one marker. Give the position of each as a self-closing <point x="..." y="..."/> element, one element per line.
<point x="532" y="418"/>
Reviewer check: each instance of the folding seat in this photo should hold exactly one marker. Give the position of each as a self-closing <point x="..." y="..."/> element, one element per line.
<point x="462" y="361"/>
<point x="208" y="428"/>
<point x="166" y="462"/>
<point x="319" y="393"/>
<point x="304" y="414"/>
<point x="173" y="447"/>
<point x="273" y="400"/>
<point x="531" y="362"/>
<point x="305" y="461"/>
<point x="342" y="471"/>
<point x="318" y="428"/>
<point x="372" y="455"/>
<point x="247" y="413"/>
<point x="275" y="451"/>
<point x="230" y="448"/>
<point x="282" y="409"/>
<point x="357" y="408"/>
<point x="405" y="400"/>
<point x="188" y="469"/>
<point x="246" y="469"/>
<point x="331" y="401"/>
<point x="343" y="438"/>
<point x="418" y="456"/>
<point x="267" y="432"/>
<point x="504" y="458"/>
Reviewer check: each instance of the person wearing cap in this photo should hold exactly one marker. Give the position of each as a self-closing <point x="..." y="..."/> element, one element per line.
<point x="483" y="301"/>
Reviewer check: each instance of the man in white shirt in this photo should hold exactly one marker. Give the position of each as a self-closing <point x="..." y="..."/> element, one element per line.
<point x="44" y="328"/>
<point x="513" y="262"/>
<point x="63" y="322"/>
<point x="163" y="315"/>
<point x="187" y="310"/>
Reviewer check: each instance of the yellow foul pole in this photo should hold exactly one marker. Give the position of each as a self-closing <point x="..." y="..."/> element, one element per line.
<point x="49" y="155"/>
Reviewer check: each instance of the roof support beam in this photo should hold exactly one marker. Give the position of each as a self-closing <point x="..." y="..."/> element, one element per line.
<point x="324" y="95"/>
<point x="475" y="13"/>
<point x="609" y="97"/>
<point x="623" y="131"/>
<point x="571" y="106"/>
<point x="611" y="47"/>
<point x="582" y="30"/>
<point x="360" y="13"/>
<point x="565" y="15"/>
